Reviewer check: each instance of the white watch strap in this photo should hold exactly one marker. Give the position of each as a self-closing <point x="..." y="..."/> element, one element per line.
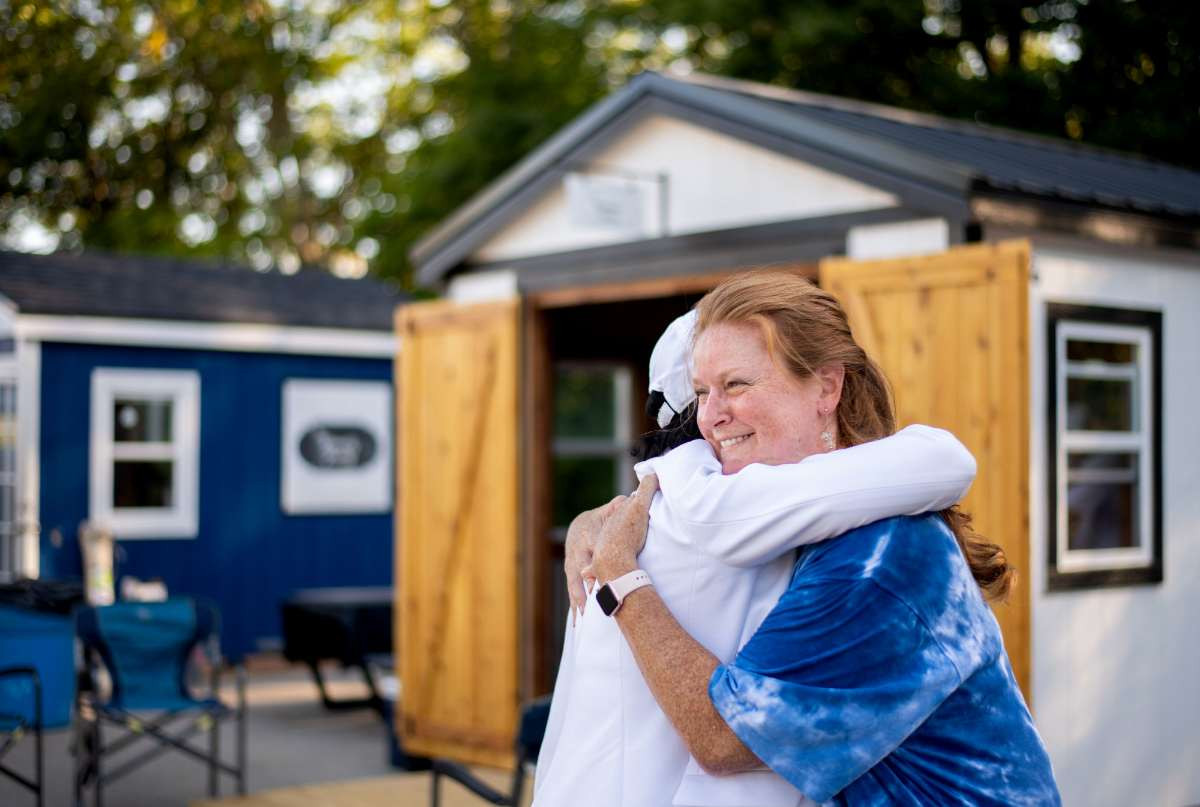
<point x="627" y="583"/>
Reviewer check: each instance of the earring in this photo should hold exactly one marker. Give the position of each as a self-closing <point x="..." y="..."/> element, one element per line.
<point x="826" y="434"/>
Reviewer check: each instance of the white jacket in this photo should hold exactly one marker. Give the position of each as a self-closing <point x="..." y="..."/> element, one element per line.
<point x="720" y="550"/>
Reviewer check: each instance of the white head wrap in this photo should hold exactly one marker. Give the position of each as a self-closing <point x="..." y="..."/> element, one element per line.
<point x="671" y="367"/>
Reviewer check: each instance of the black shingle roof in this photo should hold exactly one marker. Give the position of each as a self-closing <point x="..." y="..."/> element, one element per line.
<point x="107" y="285"/>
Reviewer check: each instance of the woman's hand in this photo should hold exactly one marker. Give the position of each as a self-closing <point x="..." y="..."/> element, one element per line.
<point x="582" y="536"/>
<point x="623" y="533"/>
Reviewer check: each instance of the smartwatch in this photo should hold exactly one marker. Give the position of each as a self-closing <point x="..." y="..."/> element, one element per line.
<point x="610" y="595"/>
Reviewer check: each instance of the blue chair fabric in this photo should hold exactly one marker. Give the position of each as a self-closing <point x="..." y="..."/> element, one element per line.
<point x="145" y="649"/>
<point x="45" y="642"/>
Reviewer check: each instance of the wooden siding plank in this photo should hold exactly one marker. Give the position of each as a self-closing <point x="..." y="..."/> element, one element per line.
<point x="950" y="331"/>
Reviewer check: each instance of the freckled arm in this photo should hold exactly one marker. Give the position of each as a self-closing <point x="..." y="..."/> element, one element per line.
<point x="676" y="667"/>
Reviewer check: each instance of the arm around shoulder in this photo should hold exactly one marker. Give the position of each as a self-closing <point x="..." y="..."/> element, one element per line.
<point x="761" y="512"/>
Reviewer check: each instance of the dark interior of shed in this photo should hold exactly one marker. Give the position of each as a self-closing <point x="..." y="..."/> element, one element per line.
<point x="598" y="364"/>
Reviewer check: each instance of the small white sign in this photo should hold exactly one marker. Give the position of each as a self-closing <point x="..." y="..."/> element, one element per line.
<point x="337" y="446"/>
<point x="600" y="202"/>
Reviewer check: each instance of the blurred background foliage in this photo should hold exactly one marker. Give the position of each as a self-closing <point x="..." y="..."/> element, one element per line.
<point x="282" y="132"/>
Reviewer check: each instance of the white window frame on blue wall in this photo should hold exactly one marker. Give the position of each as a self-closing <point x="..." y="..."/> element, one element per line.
<point x="182" y="389"/>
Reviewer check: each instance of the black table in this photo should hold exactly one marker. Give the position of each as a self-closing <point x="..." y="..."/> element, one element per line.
<point x="346" y="624"/>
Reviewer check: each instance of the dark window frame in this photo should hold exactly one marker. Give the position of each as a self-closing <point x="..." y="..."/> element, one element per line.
<point x="617" y="448"/>
<point x="1149" y="574"/>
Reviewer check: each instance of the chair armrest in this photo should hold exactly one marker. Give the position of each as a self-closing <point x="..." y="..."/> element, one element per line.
<point x="10" y="672"/>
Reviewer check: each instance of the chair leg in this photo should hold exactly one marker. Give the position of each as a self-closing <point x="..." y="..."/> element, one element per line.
<point x="80" y="765"/>
<point x="435" y="798"/>
<point x="97" y="751"/>
<point x="518" y="786"/>
<point x="214" y="754"/>
<point x="241" y="730"/>
<point x="214" y="727"/>
<point x="39" y="770"/>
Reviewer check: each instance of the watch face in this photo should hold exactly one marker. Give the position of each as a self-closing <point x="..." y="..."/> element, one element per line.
<point x="607" y="600"/>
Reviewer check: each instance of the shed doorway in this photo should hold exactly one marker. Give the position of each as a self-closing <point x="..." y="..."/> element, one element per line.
<point x="595" y="369"/>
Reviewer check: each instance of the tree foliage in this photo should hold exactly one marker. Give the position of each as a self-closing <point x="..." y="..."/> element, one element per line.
<point x="276" y="132"/>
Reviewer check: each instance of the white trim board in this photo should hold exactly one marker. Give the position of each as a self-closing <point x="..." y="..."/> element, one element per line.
<point x="247" y="337"/>
<point x="29" y="469"/>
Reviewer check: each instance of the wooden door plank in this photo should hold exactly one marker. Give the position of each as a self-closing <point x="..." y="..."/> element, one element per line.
<point x="457" y="530"/>
<point x="950" y="331"/>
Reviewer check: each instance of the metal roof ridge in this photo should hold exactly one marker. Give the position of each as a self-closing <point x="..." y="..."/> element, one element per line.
<point x="837" y="138"/>
<point x="912" y="117"/>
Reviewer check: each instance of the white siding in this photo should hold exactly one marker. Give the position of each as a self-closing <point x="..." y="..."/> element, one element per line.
<point x="8" y="317"/>
<point x="479" y="287"/>
<point x="897" y="239"/>
<point x="714" y="181"/>
<point x="1116" y="687"/>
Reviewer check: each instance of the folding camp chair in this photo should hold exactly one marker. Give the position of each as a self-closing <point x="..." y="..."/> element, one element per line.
<point x="14" y="726"/>
<point x="145" y="648"/>
<point x="528" y="746"/>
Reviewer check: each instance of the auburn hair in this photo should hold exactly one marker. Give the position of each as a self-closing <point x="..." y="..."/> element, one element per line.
<point x="805" y="328"/>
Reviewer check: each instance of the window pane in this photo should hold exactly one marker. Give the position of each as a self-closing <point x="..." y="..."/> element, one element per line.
<point x="142" y="484"/>
<point x="1102" y="515"/>
<point x="584" y="404"/>
<point x="1107" y="352"/>
<point x="1102" y="467"/>
<point x="1090" y="461"/>
<point x="141" y="421"/>
<point x="581" y="483"/>
<point x="1095" y="404"/>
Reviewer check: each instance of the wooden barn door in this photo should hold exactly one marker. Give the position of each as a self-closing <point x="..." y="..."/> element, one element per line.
<point x="457" y="529"/>
<point x="950" y="332"/>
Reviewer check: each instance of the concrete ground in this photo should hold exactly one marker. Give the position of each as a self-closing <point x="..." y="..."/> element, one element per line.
<point x="293" y="741"/>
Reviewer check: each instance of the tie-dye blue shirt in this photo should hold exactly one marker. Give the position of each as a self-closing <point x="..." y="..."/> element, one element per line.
<point x="880" y="677"/>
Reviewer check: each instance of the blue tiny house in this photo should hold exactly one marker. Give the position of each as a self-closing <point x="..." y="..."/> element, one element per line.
<point x="232" y="429"/>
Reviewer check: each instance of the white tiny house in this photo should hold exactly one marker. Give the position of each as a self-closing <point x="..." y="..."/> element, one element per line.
<point x="1039" y="298"/>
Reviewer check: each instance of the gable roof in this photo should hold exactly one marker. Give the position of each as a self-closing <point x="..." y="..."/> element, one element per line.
<point x="136" y="287"/>
<point x="933" y="164"/>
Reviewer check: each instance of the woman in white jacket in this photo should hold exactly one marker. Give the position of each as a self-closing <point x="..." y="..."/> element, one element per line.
<point x="720" y="551"/>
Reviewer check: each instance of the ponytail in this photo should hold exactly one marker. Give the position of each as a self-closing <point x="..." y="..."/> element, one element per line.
<point x="987" y="561"/>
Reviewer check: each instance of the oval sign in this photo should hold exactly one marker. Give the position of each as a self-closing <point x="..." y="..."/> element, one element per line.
<point x="331" y="446"/>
